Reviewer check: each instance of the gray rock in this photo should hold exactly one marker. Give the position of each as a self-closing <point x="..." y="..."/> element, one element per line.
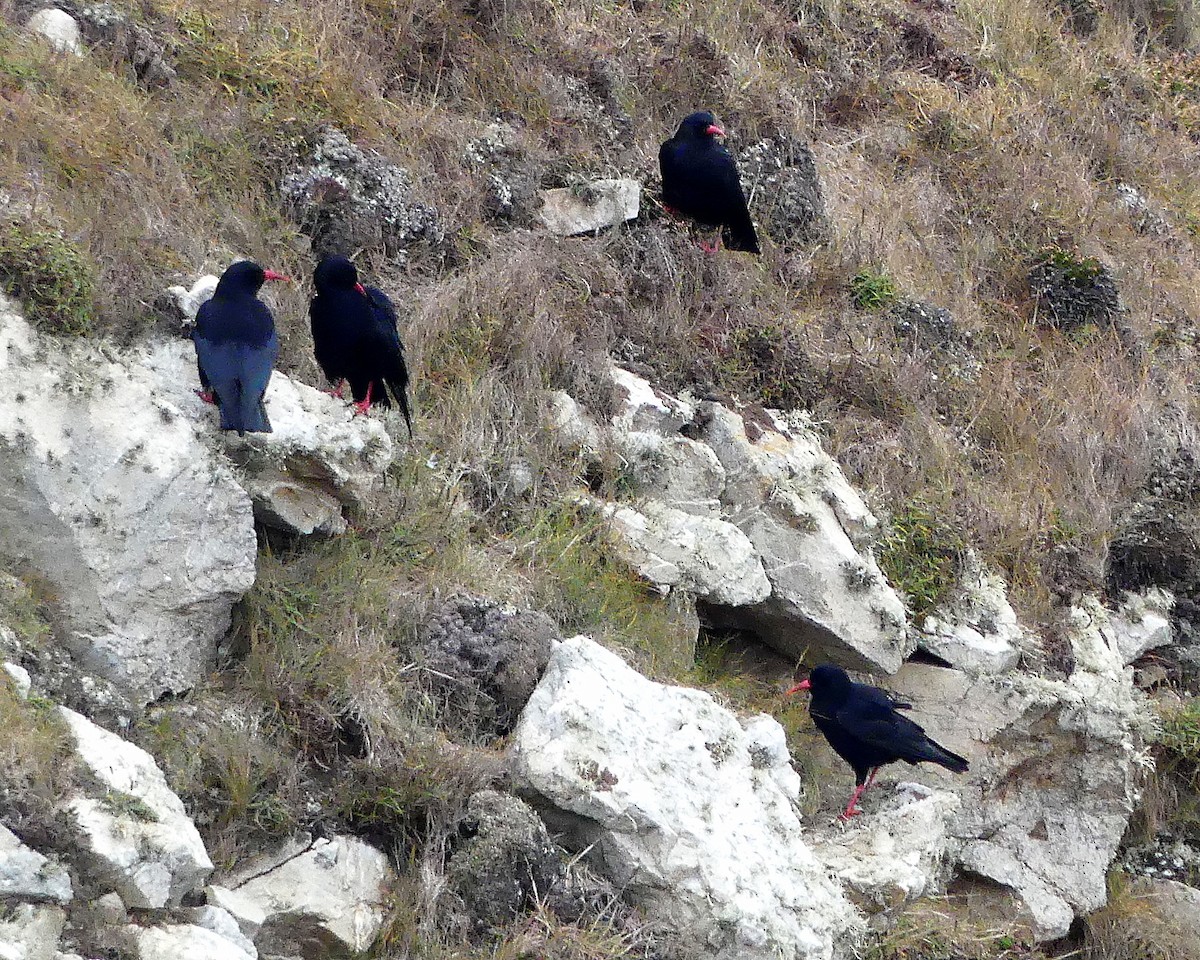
<point x="19" y="678"/>
<point x="27" y="875"/>
<point x="690" y="810"/>
<point x="511" y="176"/>
<point x="30" y="932"/>
<point x="135" y="44"/>
<point x="779" y="176"/>
<point x="281" y="503"/>
<point x="1163" y="919"/>
<point x="492" y="647"/>
<point x="58" y="28"/>
<point x="110" y="494"/>
<point x="570" y="211"/>
<point x="1051" y="784"/>
<point x="506" y="861"/>
<point x="175" y="941"/>
<point x="1072" y="292"/>
<point x="346" y="198"/>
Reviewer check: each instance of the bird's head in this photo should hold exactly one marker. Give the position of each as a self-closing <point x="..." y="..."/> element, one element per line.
<point x="701" y="125"/>
<point x="245" y="278"/>
<point x="336" y="273"/>
<point x="826" y="680"/>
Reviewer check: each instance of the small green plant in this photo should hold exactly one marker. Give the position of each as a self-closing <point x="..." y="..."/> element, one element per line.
<point x="1077" y="270"/>
<point x="126" y="805"/>
<point x="922" y="555"/>
<point x="50" y="275"/>
<point x="871" y="290"/>
<point x="1179" y="741"/>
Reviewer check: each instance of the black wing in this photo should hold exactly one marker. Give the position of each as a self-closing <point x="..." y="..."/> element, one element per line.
<point x="878" y="726"/>
<point x="735" y="214"/>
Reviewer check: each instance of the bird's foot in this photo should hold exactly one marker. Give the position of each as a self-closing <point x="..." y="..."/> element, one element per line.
<point x="207" y="396"/>
<point x="849" y="814"/>
<point x="710" y="247"/>
<point x="362" y="406"/>
<point x="337" y="391"/>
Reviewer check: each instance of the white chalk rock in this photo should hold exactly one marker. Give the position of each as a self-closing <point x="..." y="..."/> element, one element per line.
<point x="976" y="629"/>
<point x="569" y="211"/>
<point x="58" y="28"/>
<point x="27" y="875"/>
<point x="134" y="830"/>
<point x="690" y="811"/>
<point x="30" y="932"/>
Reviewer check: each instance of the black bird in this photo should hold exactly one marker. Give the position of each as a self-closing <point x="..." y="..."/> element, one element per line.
<point x="862" y="725"/>
<point x="236" y="348"/>
<point x="700" y="180"/>
<point x="356" y="337"/>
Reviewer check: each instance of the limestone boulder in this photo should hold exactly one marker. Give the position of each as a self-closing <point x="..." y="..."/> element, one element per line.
<point x="135" y="837"/>
<point x="686" y="808"/>
<point x="27" y="875"/>
<point x="570" y="211"/>
<point x="976" y="629"/>
<point x="903" y="851"/>
<point x="173" y="941"/>
<point x="316" y="899"/>
<point x="745" y="511"/>
<point x="31" y="932"/>
<point x="58" y="28"/>
<point x="109" y="492"/>
<point x="1052" y="778"/>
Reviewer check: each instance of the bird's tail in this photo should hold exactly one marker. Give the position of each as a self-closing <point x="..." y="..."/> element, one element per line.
<point x="244" y="412"/>
<point x="400" y="391"/>
<point x="949" y="760"/>
<point x="741" y="234"/>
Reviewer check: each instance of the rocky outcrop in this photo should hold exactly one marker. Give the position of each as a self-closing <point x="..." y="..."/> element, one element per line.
<point x="134" y="833"/>
<point x="505" y="862"/>
<point x="687" y="809"/>
<point x="779" y="176"/>
<point x="570" y="211"/>
<point x="975" y="629"/>
<point x="745" y="511"/>
<point x="472" y="643"/>
<point x="110" y="493"/>
<point x="30" y="932"/>
<point x="310" y="900"/>
<point x="1052" y="779"/>
<point x="346" y="198"/>
<point x="117" y="488"/>
<point x="904" y="850"/>
<point x="194" y="941"/>
<point x="27" y="875"/>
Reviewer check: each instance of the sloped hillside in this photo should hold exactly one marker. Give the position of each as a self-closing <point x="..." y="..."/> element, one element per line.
<point x="975" y="306"/>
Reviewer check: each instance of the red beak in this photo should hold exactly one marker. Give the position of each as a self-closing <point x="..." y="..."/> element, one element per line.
<point x="272" y="275"/>
<point x="361" y="289"/>
<point x="714" y="131"/>
<point x="802" y="685"/>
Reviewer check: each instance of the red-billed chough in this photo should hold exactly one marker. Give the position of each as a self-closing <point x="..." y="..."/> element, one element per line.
<point x="356" y="337"/>
<point x="700" y="180"/>
<point x="862" y="725"/>
<point x="236" y="347"/>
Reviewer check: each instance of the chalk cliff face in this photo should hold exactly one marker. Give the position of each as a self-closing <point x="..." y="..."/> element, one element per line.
<point x="119" y="492"/>
<point x="116" y="490"/>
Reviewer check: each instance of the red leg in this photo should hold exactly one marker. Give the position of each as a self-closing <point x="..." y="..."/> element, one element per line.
<point x="337" y="391"/>
<point x="870" y="779"/>
<point x="207" y="396"/>
<point x="365" y="405"/>
<point x="711" y="247"/>
<point x="852" y="808"/>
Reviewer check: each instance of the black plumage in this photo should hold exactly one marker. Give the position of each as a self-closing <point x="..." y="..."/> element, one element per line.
<point x="356" y="337"/>
<point x="863" y="726"/>
<point x="236" y="347"/>
<point x="700" y="180"/>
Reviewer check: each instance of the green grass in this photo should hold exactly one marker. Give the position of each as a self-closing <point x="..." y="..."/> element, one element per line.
<point x="921" y="555"/>
<point x="873" y="290"/>
<point x="50" y="275"/>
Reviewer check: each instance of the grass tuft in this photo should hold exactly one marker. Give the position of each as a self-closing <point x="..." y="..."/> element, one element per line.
<point x="50" y="275"/>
